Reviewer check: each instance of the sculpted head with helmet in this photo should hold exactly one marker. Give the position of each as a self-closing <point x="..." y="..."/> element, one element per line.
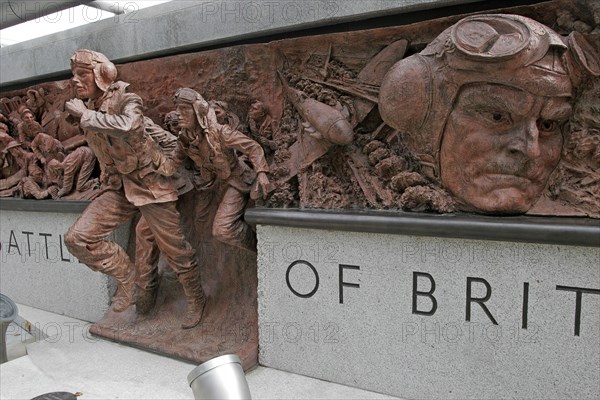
<point x="93" y="73"/>
<point x="192" y="109"/>
<point x="484" y="108"/>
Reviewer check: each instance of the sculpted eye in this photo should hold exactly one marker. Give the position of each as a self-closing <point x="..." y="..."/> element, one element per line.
<point x="495" y="118"/>
<point x="500" y="117"/>
<point x="547" y="125"/>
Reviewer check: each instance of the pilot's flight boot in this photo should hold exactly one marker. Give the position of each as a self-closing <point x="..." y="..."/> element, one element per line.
<point x="194" y="296"/>
<point x="145" y="299"/>
<point x="123" y="297"/>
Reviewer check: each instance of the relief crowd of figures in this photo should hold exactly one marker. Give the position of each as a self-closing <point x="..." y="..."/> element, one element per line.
<point x="43" y="153"/>
<point x="338" y="142"/>
<point x="497" y="115"/>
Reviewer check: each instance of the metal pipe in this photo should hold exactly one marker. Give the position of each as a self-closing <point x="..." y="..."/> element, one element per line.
<point x="14" y="12"/>
<point x="112" y="7"/>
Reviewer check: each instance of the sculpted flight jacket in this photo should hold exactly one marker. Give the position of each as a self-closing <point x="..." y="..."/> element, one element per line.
<point x="124" y="149"/>
<point x="213" y="166"/>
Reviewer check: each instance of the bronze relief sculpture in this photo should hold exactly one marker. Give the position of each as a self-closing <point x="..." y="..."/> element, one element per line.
<point x="50" y="145"/>
<point x="485" y="105"/>
<point x="114" y="128"/>
<point x="215" y="149"/>
<point x="477" y="121"/>
<point x="491" y="114"/>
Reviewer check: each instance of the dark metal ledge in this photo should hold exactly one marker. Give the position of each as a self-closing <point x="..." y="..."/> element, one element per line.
<point x="55" y="206"/>
<point x="529" y="229"/>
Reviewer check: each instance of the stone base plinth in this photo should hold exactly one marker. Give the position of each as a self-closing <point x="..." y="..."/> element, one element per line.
<point x="37" y="270"/>
<point x="431" y="317"/>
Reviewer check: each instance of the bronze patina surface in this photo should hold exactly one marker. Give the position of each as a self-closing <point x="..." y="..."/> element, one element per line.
<point x="494" y="113"/>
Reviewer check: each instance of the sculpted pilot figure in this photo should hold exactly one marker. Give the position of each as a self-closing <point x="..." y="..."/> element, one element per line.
<point x="28" y="128"/>
<point x="484" y="108"/>
<point x="114" y="128"/>
<point x="261" y="124"/>
<point x="212" y="147"/>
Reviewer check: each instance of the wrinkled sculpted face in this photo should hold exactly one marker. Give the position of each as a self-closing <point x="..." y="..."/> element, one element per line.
<point x="499" y="147"/>
<point x="221" y="114"/>
<point x="85" y="85"/>
<point x="256" y="111"/>
<point x="187" y="116"/>
<point x="28" y="117"/>
<point x="173" y="126"/>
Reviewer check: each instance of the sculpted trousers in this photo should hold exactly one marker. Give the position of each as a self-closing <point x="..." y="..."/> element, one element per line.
<point x="82" y="162"/>
<point x="229" y="225"/>
<point x="146" y="256"/>
<point x="147" y="252"/>
<point x="87" y="238"/>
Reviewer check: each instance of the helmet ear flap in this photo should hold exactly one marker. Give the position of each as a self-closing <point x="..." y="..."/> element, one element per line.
<point x="583" y="58"/>
<point x="201" y="109"/>
<point x="105" y="74"/>
<point x="405" y="95"/>
<point x="201" y="106"/>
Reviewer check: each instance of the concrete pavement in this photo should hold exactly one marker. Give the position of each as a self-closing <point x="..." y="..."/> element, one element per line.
<point x="62" y="356"/>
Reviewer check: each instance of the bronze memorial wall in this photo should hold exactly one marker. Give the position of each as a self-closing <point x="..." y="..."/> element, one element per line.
<point x="494" y="113"/>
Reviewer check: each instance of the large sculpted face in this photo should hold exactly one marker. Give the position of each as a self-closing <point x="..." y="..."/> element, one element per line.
<point x="85" y="84"/>
<point x="499" y="147"/>
<point x="187" y="116"/>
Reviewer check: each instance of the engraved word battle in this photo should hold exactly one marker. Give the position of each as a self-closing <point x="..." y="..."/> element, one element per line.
<point x="34" y="246"/>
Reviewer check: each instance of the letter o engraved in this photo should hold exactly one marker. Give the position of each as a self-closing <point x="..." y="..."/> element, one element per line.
<point x="314" y="270"/>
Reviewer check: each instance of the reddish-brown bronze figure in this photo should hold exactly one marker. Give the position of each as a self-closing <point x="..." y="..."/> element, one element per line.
<point x="13" y="165"/>
<point x="485" y="106"/>
<point x="171" y="122"/>
<point x="114" y="127"/>
<point x="46" y="148"/>
<point x="261" y="125"/>
<point x="212" y="146"/>
<point x="28" y="128"/>
<point x="47" y="104"/>
<point x="41" y="183"/>
<point x="224" y="115"/>
<point x="147" y="251"/>
<point x="74" y="172"/>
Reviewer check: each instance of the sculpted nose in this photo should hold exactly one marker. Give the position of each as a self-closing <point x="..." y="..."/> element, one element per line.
<point x="533" y="140"/>
<point x="527" y="139"/>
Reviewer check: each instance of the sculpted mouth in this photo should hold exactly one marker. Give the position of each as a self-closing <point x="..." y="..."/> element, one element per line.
<point x="509" y="179"/>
